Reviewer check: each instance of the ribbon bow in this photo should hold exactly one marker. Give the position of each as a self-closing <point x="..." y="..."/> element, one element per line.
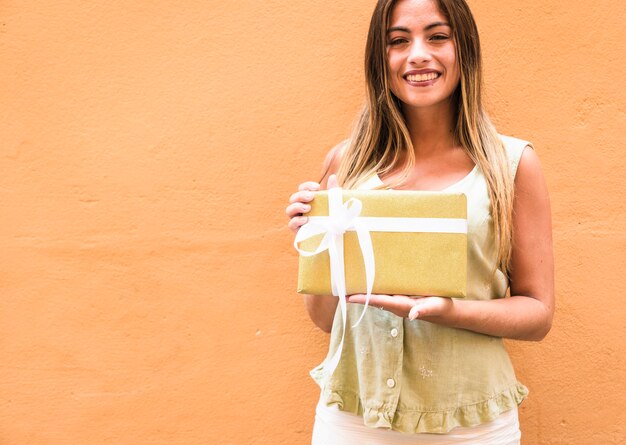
<point x="341" y="218"/>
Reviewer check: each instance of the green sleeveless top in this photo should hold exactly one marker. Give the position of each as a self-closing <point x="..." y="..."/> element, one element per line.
<point x="420" y="377"/>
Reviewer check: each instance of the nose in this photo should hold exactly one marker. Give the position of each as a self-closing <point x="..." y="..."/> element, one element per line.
<point x="419" y="52"/>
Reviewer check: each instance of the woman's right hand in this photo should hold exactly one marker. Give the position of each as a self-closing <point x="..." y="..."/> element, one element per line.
<point x="299" y="202"/>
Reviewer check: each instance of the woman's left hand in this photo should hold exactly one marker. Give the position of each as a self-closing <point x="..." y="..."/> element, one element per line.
<point x="434" y="309"/>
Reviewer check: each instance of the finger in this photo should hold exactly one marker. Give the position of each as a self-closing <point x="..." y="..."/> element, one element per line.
<point x="302" y="196"/>
<point x="378" y="300"/>
<point x="423" y="308"/>
<point x="399" y="304"/>
<point x="374" y="302"/>
<point x="375" y="299"/>
<point x="309" y="185"/>
<point x="296" y="222"/>
<point x="297" y="209"/>
<point x="332" y="181"/>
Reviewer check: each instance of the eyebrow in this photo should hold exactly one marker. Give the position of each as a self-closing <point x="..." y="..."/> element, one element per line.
<point x="426" y="28"/>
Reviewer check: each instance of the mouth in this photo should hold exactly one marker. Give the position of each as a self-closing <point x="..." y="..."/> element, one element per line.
<point x="422" y="79"/>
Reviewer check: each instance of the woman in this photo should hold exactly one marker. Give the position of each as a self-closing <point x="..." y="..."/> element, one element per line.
<point x="434" y="369"/>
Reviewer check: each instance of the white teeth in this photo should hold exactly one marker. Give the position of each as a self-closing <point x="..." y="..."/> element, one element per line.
<point x="422" y="77"/>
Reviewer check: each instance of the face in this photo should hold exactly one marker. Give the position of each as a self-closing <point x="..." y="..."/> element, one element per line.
<point x="421" y="55"/>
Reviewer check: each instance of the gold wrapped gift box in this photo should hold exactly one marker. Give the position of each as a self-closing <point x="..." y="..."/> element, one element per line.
<point x="407" y="263"/>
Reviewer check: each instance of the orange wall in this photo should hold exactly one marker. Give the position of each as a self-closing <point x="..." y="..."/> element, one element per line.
<point x="148" y="151"/>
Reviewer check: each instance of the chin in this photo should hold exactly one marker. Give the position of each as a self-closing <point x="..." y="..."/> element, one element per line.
<point x="424" y="104"/>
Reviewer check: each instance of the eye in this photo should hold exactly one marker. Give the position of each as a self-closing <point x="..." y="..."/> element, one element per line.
<point x="440" y="37"/>
<point x="395" y="42"/>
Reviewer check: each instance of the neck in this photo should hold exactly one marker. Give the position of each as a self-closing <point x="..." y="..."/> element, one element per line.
<point x="431" y="129"/>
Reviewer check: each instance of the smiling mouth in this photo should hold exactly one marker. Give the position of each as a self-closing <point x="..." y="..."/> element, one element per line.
<point x="422" y="77"/>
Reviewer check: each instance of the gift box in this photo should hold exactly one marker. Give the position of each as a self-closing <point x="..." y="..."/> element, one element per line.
<point x="418" y="243"/>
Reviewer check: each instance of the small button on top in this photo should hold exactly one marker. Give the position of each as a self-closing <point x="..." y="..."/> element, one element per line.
<point x="394" y="332"/>
<point x="391" y="383"/>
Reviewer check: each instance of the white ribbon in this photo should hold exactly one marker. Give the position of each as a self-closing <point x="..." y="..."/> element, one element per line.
<point x="341" y="217"/>
<point x="345" y="216"/>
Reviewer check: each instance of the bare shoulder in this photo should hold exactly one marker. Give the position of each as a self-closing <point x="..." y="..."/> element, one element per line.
<point x="531" y="203"/>
<point x="529" y="179"/>
<point x="333" y="161"/>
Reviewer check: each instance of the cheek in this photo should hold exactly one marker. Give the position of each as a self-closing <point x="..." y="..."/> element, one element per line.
<point x="455" y="72"/>
<point x="453" y="66"/>
<point x="392" y="64"/>
<point x="393" y="68"/>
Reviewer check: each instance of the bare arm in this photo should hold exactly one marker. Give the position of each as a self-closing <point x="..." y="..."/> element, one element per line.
<point x="527" y="314"/>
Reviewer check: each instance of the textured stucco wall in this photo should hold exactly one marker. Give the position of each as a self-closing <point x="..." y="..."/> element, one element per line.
<point x="147" y="152"/>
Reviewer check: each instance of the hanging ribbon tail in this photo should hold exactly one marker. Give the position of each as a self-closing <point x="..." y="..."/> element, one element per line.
<point x="335" y="252"/>
<point x="341" y="217"/>
<point x="365" y="242"/>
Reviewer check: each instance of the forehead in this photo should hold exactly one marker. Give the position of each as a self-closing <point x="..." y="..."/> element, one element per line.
<point x="409" y="13"/>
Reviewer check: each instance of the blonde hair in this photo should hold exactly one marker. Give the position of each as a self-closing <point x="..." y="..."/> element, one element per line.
<point x="380" y="139"/>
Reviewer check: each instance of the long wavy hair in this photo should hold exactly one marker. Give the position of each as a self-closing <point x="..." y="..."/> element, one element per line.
<point x="380" y="140"/>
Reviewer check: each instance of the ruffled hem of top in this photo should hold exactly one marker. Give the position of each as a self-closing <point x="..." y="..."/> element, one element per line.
<point x="434" y="422"/>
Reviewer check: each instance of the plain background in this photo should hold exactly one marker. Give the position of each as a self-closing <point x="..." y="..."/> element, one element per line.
<point x="148" y="150"/>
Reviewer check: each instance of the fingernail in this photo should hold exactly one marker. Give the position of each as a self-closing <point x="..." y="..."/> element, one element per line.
<point x="308" y="195"/>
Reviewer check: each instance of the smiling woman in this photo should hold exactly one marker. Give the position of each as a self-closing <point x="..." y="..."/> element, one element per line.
<point x="435" y="367"/>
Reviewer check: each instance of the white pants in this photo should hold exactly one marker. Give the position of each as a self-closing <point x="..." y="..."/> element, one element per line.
<point x="335" y="427"/>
